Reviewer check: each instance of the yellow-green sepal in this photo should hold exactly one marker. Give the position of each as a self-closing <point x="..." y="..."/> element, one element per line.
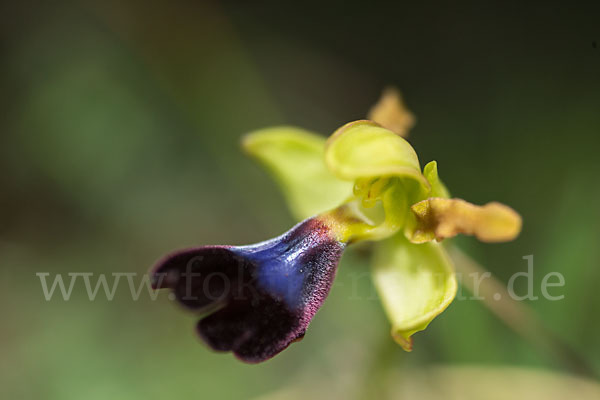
<point x="364" y="149"/>
<point x="415" y="282"/>
<point x="295" y="159"/>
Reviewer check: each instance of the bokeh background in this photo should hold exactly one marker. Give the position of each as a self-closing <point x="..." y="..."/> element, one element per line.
<point x="119" y="142"/>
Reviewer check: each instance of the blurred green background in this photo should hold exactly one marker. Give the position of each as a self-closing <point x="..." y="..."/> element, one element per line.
<point x="119" y="142"/>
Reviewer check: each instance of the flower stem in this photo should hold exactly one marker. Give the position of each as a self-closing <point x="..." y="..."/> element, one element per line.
<point x="518" y="316"/>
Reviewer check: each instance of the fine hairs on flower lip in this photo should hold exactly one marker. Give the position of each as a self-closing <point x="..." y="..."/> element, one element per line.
<point x="266" y="294"/>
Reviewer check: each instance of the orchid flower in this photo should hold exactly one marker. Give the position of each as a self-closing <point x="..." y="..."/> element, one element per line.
<point x="363" y="183"/>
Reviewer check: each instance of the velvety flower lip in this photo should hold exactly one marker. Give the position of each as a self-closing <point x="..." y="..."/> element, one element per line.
<point x="259" y="298"/>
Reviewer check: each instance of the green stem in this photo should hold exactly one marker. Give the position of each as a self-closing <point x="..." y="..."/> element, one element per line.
<point x="518" y="316"/>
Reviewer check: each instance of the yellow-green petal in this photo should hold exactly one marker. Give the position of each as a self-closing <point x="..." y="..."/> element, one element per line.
<point x="415" y="282"/>
<point x="438" y="189"/>
<point x="364" y="149"/>
<point x="295" y="158"/>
